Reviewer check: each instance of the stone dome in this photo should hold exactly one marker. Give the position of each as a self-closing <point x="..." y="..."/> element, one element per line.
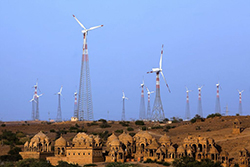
<point x="115" y="142"/>
<point x="124" y="137"/>
<point x="213" y="150"/>
<point x="147" y="135"/>
<point x="61" y="142"/>
<point x="112" y="137"/>
<point x="153" y="145"/>
<point x="164" y="139"/>
<point x="39" y="137"/>
<point x="180" y="149"/>
<point x="171" y="149"/>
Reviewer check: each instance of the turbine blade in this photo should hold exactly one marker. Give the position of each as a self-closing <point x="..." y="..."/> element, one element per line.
<point x="165" y="81"/>
<point x="160" y="64"/>
<point x="79" y="22"/>
<point x="92" y="28"/>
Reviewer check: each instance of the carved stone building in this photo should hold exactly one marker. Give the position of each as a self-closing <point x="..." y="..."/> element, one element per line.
<point x="85" y="149"/>
<point x="39" y="147"/>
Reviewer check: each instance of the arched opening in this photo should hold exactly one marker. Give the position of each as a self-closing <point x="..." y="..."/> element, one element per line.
<point x="200" y="147"/>
<point x="142" y="147"/>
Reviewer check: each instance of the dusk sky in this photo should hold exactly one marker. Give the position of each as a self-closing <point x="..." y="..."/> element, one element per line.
<point x="204" y="42"/>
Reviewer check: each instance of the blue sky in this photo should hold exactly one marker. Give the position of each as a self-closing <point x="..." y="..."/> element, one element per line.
<point x="204" y="42"/>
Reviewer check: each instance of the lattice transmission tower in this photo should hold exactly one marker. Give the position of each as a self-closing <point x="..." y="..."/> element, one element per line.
<point x="142" y="103"/>
<point x="240" y="104"/>
<point x="85" y="105"/>
<point x="158" y="112"/>
<point x="217" y="103"/>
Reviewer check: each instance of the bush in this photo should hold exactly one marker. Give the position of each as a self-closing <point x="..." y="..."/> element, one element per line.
<point x="123" y="123"/>
<point x="132" y="134"/>
<point x="139" y="122"/>
<point x="92" y="124"/>
<point x="90" y="165"/>
<point x="102" y="120"/>
<point x="52" y="130"/>
<point x="176" y="120"/>
<point x="144" y="128"/>
<point x="198" y="128"/>
<point x="193" y="120"/>
<point x="130" y="129"/>
<point x="157" y="127"/>
<point x="191" y="162"/>
<point x="3" y="125"/>
<point x="66" y="164"/>
<point x="214" y="115"/>
<point x="119" y="131"/>
<point x="105" y="125"/>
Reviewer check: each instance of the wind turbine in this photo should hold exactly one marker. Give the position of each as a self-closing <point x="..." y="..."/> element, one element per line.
<point x="158" y="112"/>
<point x="199" y="112"/>
<point x="142" y="104"/>
<point x="123" y="105"/>
<point x="187" y="104"/>
<point x="85" y="105"/>
<point x="149" y="108"/>
<point x="240" y="104"/>
<point x="59" y="112"/>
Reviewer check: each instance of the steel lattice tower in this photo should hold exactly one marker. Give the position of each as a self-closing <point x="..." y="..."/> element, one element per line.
<point x="187" y="116"/>
<point x="35" y="107"/>
<point x="199" y="112"/>
<point x="142" y="104"/>
<point x="59" y="112"/>
<point x="75" y="106"/>
<point x="240" y="104"/>
<point x="158" y="112"/>
<point x="85" y="105"/>
<point x="149" y="115"/>
<point x="217" y="104"/>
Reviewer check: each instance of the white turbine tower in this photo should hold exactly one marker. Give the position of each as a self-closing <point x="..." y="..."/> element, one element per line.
<point x="123" y="105"/>
<point x="59" y="112"/>
<point x="33" y="107"/>
<point x="217" y="103"/>
<point x="240" y="104"/>
<point x="149" y="114"/>
<point x="37" y="104"/>
<point x="158" y="112"/>
<point x="187" y="116"/>
<point x="142" y="104"/>
<point x="199" y="112"/>
<point x="85" y="105"/>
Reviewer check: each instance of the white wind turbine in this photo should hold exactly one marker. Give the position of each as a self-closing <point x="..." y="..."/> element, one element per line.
<point x="199" y="112"/>
<point x="158" y="112"/>
<point x="149" y="108"/>
<point x="59" y="112"/>
<point x="85" y="105"/>
<point x="123" y="105"/>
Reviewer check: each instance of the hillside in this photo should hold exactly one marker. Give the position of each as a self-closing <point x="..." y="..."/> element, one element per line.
<point x="218" y="128"/>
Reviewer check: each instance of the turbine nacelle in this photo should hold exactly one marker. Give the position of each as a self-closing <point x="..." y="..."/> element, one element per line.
<point x="123" y="96"/>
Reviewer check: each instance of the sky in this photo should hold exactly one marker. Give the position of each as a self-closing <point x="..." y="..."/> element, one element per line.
<point x="204" y="42"/>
